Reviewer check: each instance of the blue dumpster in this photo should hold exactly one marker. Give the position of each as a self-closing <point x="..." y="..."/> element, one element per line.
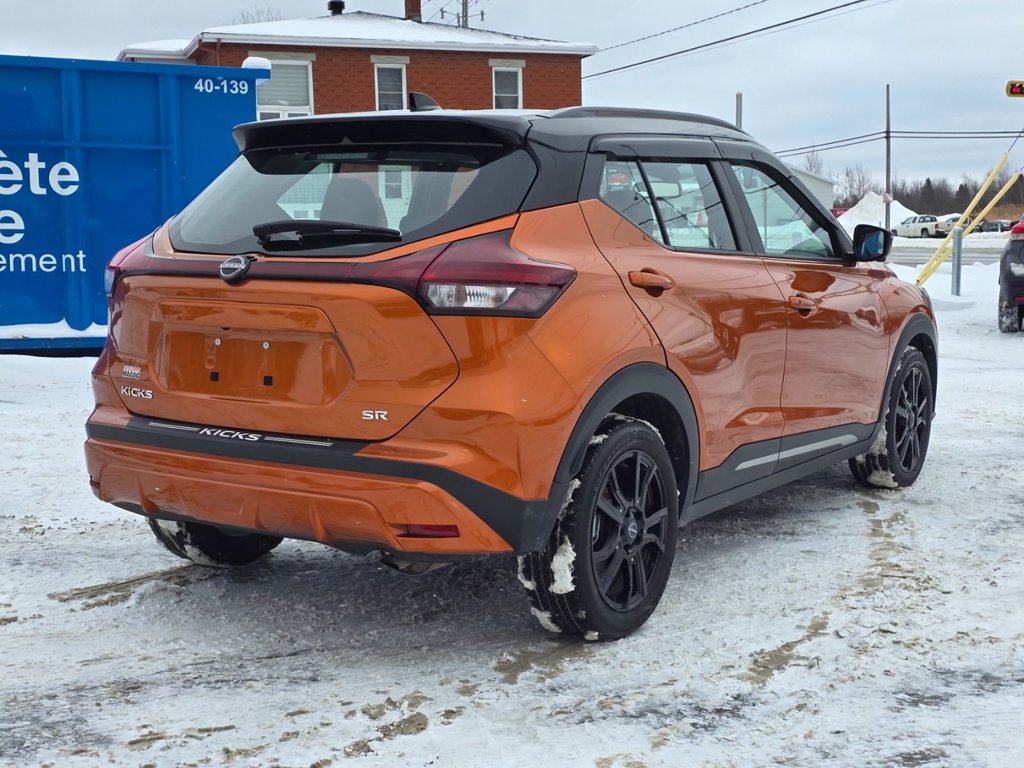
<point x="94" y="155"/>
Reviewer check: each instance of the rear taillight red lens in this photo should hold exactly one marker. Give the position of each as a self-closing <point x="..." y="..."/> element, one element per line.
<point x="1017" y="231"/>
<point x="483" y="275"/>
<point x="486" y="275"/>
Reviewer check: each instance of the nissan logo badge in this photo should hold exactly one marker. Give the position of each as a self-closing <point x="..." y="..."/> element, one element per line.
<point x="235" y="268"/>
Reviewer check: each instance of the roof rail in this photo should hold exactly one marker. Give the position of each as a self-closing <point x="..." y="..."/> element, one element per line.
<point x="653" y="114"/>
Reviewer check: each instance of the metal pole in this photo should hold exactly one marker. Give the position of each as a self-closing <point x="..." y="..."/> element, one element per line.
<point x="739" y="110"/>
<point x="465" y="13"/>
<point x="958" y="240"/>
<point x="888" y="158"/>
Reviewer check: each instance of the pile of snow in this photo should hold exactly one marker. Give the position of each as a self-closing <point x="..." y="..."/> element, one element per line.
<point x="871" y="210"/>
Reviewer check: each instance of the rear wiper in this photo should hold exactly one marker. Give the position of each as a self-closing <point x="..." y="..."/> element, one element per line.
<point x="321" y="234"/>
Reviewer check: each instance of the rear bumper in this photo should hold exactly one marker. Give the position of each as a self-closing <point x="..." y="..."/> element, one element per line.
<point x="318" y="490"/>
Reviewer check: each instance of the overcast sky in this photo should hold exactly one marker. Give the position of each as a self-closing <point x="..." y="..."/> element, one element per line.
<point x="948" y="61"/>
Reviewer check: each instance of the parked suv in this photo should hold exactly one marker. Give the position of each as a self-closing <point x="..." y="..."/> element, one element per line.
<point x="439" y="335"/>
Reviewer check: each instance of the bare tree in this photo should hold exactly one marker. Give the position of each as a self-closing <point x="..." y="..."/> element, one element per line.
<point x="256" y="14"/>
<point x="814" y="163"/>
<point x="853" y="183"/>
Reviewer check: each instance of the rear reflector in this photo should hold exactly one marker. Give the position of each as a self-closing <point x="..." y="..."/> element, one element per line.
<point x="432" y="531"/>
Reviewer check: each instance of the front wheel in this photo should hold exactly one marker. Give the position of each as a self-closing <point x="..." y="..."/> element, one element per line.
<point x="608" y="559"/>
<point x="208" y="545"/>
<point x="897" y="456"/>
<point x="1008" y="317"/>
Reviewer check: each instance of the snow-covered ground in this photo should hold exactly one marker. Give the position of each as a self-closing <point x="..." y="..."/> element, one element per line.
<point x="821" y="624"/>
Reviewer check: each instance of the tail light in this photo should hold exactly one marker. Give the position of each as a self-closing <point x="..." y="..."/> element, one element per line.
<point x="1017" y="231"/>
<point x="116" y="265"/>
<point x="483" y="275"/>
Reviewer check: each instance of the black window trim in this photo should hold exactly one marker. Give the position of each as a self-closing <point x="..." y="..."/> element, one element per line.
<point x="840" y="254"/>
<point x="672" y="149"/>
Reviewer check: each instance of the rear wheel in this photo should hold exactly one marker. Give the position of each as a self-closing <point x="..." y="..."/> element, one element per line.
<point x="1009" y="316"/>
<point x="608" y="560"/>
<point x="925" y="233"/>
<point x="208" y="545"/>
<point x="896" y="458"/>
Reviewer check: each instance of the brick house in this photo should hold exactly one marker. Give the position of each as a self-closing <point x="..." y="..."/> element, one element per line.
<point x="357" y="62"/>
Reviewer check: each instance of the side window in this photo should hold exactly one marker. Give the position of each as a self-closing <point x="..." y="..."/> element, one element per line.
<point x="786" y="228"/>
<point x="623" y="188"/>
<point x="690" y="206"/>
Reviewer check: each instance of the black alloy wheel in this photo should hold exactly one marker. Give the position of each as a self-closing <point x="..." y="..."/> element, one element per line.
<point x="913" y="419"/>
<point x="609" y="556"/>
<point x="897" y="457"/>
<point x="628" y="535"/>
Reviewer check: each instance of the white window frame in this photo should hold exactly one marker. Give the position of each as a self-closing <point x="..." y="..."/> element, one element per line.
<point x="377" y="67"/>
<point x="507" y="65"/>
<point x="283" y="111"/>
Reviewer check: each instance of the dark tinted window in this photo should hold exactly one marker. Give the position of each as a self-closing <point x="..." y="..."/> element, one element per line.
<point x="420" y="191"/>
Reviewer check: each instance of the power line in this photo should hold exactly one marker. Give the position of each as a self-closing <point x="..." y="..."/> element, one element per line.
<point x="873" y="135"/>
<point x="730" y="38"/>
<point x="792" y="153"/>
<point x="683" y="26"/>
<point x="903" y="135"/>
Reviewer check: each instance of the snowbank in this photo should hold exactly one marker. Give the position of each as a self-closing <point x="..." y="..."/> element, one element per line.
<point x="871" y="210"/>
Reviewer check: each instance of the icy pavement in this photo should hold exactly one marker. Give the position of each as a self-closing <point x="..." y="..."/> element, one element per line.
<point x="818" y="625"/>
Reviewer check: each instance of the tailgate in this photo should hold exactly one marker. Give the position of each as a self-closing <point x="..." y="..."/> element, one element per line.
<point x="342" y="360"/>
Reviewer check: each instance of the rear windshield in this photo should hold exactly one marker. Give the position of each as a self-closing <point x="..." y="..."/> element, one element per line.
<point x="416" y="190"/>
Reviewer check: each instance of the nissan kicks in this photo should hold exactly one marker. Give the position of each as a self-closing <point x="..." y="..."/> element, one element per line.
<point x="440" y="335"/>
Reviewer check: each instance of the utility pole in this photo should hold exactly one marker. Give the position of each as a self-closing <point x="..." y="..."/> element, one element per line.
<point x="464" y="21"/>
<point x="739" y="110"/>
<point x="888" y="158"/>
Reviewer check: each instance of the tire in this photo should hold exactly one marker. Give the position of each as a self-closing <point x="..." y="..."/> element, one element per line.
<point x="897" y="457"/>
<point x="894" y="233"/>
<point x="608" y="559"/>
<point x="925" y="233"/>
<point x="207" y="545"/>
<point x="1008" y="316"/>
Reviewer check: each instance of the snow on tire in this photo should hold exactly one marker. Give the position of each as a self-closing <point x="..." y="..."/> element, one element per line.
<point x="898" y="453"/>
<point x="609" y="556"/>
<point x="1008" y="316"/>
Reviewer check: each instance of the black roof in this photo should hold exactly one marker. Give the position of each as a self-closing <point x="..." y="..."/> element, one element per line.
<point x="568" y="130"/>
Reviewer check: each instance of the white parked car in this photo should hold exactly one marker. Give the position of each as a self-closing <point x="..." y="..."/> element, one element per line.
<point x="918" y="226"/>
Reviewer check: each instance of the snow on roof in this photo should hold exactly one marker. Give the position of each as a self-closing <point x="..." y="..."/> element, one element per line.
<point x="368" y="30"/>
<point x="156" y="49"/>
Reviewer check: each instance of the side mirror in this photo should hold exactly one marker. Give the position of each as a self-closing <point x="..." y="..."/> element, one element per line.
<point x="871" y="243"/>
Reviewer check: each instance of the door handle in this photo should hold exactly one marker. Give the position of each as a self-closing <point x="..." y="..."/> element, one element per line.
<point x="805" y="305"/>
<point x="651" y="281"/>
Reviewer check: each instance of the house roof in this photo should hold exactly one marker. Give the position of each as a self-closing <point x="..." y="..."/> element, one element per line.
<point x="359" y="30"/>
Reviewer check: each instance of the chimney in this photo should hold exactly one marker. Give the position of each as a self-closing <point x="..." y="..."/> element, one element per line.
<point x="412" y="10"/>
<point x="336" y="7"/>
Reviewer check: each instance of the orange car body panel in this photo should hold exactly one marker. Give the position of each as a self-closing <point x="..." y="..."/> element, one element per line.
<point x="837" y="352"/>
<point x="470" y="410"/>
<point x="723" y="325"/>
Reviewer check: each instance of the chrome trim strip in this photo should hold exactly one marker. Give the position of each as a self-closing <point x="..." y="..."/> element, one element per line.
<point x="834" y="442"/>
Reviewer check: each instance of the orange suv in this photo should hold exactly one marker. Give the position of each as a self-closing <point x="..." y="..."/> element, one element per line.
<point x="438" y="335"/>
